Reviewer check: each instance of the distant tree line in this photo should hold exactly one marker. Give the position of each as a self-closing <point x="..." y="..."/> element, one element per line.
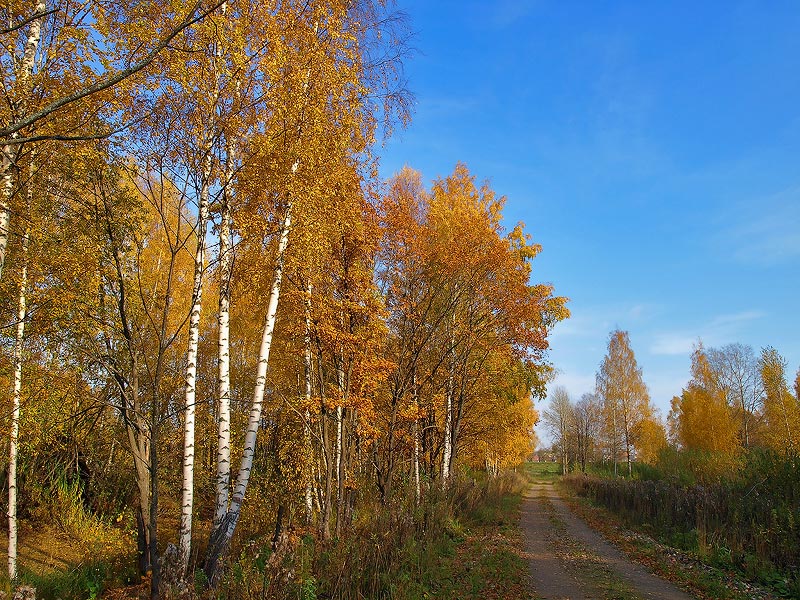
<point x="735" y="400"/>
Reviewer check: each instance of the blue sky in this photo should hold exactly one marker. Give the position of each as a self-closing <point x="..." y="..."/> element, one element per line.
<point x="653" y="149"/>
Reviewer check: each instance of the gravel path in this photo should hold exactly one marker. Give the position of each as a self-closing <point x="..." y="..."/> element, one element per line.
<point x="571" y="561"/>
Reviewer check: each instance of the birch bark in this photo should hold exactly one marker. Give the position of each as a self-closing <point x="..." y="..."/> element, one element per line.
<point x="222" y="534"/>
<point x="10" y="152"/>
<point x="22" y="313"/>
<point x="447" y="451"/>
<point x="415" y="433"/>
<point x="223" y="354"/>
<point x="187" y="492"/>
<point x="307" y="367"/>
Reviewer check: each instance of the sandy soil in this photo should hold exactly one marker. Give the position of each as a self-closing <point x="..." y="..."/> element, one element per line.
<point x="571" y="561"/>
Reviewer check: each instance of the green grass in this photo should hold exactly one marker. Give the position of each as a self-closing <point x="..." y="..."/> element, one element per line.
<point x="487" y="562"/>
<point x="705" y="581"/>
<point x="542" y="472"/>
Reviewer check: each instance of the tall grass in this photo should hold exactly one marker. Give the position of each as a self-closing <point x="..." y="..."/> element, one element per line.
<point x="749" y="519"/>
<point x="392" y="551"/>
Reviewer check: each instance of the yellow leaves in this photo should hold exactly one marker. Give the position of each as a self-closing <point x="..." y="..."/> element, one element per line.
<point x="781" y="408"/>
<point x="703" y="419"/>
<point x="651" y="439"/>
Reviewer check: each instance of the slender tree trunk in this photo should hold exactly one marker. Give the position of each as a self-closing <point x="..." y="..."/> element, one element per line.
<point x="223" y="352"/>
<point x="187" y="492"/>
<point x="448" y="416"/>
<point x="415" y="433"/>
<point x="307" y="370"/>
<point x="142" y="468"/>
<point x="155" y="566"/>
<point x="325" y="525"/>
<point x="10" y="152"/>
<point x="458" y="418"/>
<point x="615" y="436"/>
<point x="9" y="158"/>
<point x="22" y="313"/>
<point x="221" y="535"/>
<point x="627" y="433"/>
<point x="339" y="465"/>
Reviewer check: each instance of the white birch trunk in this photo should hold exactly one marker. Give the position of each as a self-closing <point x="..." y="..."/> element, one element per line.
<point x="16" y="397"/>
<point x="6" y="190"/>
<point x="254" y="420"/>
<point x="309" y="499"/>
<point x="223" y="362"/>
<point x="447" y="451"/>
<point x="187" y="492"/>
<point x="222" y="535"/>
<point x="338" y="455"/>
<point x="11" y="151"/>
<point x="415" y="433"/>
<point x="448" y="432"/>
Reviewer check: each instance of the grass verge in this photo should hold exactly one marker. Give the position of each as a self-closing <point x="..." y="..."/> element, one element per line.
<point x="689" y="572"/>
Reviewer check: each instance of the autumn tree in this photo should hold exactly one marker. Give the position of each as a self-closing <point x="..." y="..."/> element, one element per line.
<point x="736" y="370"/>
<point x="60" y="65"/>
<point x="321" y="121"/>
<point x="704" y="419"/>
<point x="781" y="407"/>
<point x="461" y="312"/>
<point x="652" y="438"/>
<point x="586" y="427"/>
<point x="624" y="397"/>
<point x="558" y="418"/>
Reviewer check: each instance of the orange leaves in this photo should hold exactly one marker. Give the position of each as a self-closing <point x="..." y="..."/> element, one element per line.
<point x="464" y="320"/>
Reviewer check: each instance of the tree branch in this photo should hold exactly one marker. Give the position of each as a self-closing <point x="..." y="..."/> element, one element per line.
<point x="190" y="19"/>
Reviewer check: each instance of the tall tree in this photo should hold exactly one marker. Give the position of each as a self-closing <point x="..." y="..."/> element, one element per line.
<point x="558" y="418"/>
<point x="587" y="424"/>
<point x="624" y="396"/>
<point x="781" y="407"/>
<point x="704" y="419"/>
<point x="736" y="368"/>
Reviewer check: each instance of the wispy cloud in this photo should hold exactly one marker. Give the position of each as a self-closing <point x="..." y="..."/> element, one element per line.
<point x="725" y="321"/>
<point x="719" y="330"/>
<point x="671" y="344"/>
<point x="598" y="321"/>
<point x="503" y="13"/>
<point x="766" y="231"/>
<point x="576" y="384"/>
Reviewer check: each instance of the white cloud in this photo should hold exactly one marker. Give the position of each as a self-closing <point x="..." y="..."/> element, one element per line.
<point x="765" y="231"/>
<point x="723" y="321"/>
<point x="670" y="344"/>
<point x="576" y="384"/>
<point x="719" y="330"/>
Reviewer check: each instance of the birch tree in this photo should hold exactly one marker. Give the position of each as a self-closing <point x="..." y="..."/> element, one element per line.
<point x="558" y="418"/>
<point x="781" y="407"/>
<point x="624" y="396"/>
<point x="304" y="130"/>
<point x="737" y="369"/>
<point x="17" y="362"/>
<point x="56" y="93"/>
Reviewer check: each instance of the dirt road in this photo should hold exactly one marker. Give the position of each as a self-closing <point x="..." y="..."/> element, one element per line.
<point x="571" y="561"/>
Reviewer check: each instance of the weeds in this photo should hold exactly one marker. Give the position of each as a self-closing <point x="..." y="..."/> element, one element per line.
<point x="395" y="551"/>
<point x="747" y="521"/>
